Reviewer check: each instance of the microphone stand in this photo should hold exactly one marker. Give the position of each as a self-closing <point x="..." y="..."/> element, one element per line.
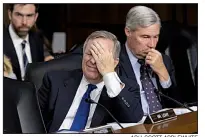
<point x="165" y="96"/>
<point x="88" y="100"/>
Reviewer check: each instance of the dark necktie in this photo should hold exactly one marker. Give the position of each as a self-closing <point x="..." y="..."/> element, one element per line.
<point x="82" y="113"/>
<point x="25" y="59"/>
<point x="148" y="87"/>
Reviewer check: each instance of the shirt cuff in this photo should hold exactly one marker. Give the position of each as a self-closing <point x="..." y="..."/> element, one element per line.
<point x="166" y="84"/>
<point x="113" y="84"/>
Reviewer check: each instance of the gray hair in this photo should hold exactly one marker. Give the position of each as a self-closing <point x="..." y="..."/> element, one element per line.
<point x="141" y="17"/>
<point x="106" y="35"/>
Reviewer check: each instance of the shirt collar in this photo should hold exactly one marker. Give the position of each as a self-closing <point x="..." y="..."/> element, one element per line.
<point x="132" y="58"/>
<point x="16" y="39"/>
<point x="99" y="85"/>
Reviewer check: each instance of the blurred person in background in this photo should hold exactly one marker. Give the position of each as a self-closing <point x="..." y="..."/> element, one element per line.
<point x="8" y="71"/>
<point x="22" y="45"/>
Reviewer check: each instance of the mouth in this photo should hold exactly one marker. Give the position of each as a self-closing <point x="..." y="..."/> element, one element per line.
<point x="92" y="68"/>
<point x="23" y="29"/>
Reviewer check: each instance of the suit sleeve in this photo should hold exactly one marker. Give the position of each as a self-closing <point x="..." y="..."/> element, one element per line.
<point x="171" y="70"/>
<point x="172" y="90"/>
<point x="127" y="105"/>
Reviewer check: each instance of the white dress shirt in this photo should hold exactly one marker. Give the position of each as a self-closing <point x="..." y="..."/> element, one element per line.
<point x="18" y="47"/>
<point x="112" y="83"/>
<point x="136" y="68"/>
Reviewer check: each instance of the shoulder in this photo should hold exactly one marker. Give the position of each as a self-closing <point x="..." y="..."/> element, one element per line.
<point x="166" y="58"/>
<point x="6" y="33"/>
<point x="58" y="75"/>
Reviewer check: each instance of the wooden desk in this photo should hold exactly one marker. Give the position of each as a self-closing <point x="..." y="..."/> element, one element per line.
<point x="186" y="123"/>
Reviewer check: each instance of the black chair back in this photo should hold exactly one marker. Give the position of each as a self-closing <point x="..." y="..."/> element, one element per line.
<point x="36" y="71"/>
<point x="21" y="111"/>
<point x="180" y="43"/>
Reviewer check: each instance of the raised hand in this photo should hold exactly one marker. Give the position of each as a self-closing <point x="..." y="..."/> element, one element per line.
<point x="154" y="59"/>
<point x="103" y="56"/>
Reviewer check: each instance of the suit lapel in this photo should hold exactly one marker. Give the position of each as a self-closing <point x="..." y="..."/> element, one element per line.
<point x="125" y="64"/>
<point x="32" y="43"/>
<point x="65" y="98"/>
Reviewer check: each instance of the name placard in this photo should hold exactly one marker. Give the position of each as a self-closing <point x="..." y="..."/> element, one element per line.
<point x="160" y="116"/>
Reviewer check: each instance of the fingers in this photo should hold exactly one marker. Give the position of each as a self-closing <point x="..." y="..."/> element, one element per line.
<point x="97" y="48"/>
<point x="95" y="56"/>
<point x="154" y="57"/>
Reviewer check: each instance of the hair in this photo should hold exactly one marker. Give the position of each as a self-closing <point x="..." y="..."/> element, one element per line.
<point x="11" y="6"/>
<point x="141" y="17"/>
<point x="7" y="65"/>
<point x="106" y="35"/>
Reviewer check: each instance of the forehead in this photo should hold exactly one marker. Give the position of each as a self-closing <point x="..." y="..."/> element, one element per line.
<point x="24" y="8"/>
<point x="106" y="43"/>
<point x="151" y="30"/>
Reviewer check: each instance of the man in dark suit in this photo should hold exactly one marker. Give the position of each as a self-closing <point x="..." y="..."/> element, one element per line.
<point x="21" y="45"/>
<point x="139" y="59"/>
<point x="62" y="93"/>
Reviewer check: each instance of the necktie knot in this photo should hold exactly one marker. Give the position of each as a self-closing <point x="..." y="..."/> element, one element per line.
<point x="141" y="61"/>
<point x="143" y="68"/>
<point x="23" y="44"/>
<point x="91" y="87"/>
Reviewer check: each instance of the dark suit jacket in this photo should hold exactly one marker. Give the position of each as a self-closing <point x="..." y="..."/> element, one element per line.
<point x="36" y="46"/>
<point x="126" y="70"/>
<point x="58" y="91"/>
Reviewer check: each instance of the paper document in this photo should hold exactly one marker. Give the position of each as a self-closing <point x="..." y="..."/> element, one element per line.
<point x="180" y="111"/>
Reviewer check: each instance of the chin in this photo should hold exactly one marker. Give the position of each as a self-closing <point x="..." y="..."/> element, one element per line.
<point x="93" y="76"/>
<point x="22" y="34"/>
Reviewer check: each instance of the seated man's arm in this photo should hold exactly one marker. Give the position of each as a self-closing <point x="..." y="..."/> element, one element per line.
<point x="125" y="98"/>
<point x="171" y="82"/>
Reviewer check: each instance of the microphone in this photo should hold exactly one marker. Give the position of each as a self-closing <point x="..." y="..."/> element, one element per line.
<point x="165" y="96"/>
<point x="177" y="102"/>
<point x="88" y="100"/>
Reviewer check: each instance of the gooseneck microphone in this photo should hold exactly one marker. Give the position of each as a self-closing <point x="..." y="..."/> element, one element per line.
<point x="88" y="100"/>
<point x="177" y="102"/>
<point x="165" y="96"/>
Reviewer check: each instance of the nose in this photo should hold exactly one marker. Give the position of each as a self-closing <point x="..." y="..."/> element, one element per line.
<point x="24" y="20"/>
<point x="92" y="60"/>
<point x="152" y="43"/>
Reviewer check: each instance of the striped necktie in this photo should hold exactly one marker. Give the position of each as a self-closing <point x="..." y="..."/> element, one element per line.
<point x="25" y="59"/>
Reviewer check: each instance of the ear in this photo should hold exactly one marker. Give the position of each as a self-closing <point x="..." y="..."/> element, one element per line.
<point x="116" y="61"/>
<point x="127" y="32"/>
<point x="36" y="17"/>
<point x="9" y="14"/>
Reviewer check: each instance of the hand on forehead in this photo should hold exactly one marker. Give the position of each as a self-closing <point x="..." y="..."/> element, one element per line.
<point x="102" y="44"/>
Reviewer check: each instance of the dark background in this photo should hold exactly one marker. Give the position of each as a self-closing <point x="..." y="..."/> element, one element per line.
<point x="79" y="20"/>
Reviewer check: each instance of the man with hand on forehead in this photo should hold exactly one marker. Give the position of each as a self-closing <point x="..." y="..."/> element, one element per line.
<point x="63" y="93"/>
<point x="140" y="60"/>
